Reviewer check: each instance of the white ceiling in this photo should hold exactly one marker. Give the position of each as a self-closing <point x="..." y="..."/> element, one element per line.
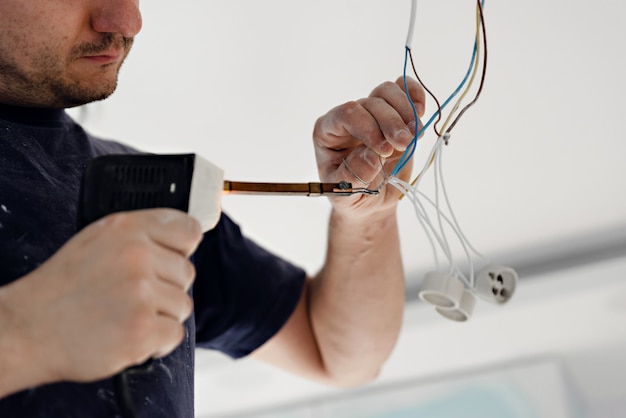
<point x="535" y="169"/>
<point x="536" y="161"/>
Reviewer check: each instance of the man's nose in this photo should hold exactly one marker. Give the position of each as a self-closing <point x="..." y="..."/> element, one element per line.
<point x="116" y="16"/>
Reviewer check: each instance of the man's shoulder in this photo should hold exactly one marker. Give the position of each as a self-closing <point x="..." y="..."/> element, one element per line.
<point x="107" y="146"/>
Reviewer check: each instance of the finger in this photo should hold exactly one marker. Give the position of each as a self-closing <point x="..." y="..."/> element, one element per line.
<point x="168" y="335"/>
<point x="170" y="228"/>
<point x="169" y="300"/>
<point x="348" y="125"/>
<point x="173" y="229"/>
<point x="391" y="124"/>
<point x="361" y="167"/>
<point x="394" y="94"/>
<point x="417" y="93"/>
<point x="173" y="267"/>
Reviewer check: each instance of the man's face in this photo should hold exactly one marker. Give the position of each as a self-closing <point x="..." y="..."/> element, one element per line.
<point x="63" y="53"/>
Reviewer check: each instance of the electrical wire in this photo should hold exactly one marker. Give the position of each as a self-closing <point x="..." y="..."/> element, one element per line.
<point x="465" y="243"/>
<point x="478" y="48"/>
<point x="440" y="184"/>
<point x="409" y="35"/>
<point x="439" y="212"/>
<point x="430" y="93"/>
<point x="468" y="80"/>
<point x="414" y="195"/>
<point x="437" y="232"/>
<point x="121" y="387"/>
<point x="408" y="153"/>
<point x="480" y="22"/>
<point x="408" y="191"/>
<point x="423" y="217"/>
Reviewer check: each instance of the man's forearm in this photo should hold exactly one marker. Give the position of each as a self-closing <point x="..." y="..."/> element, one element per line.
<point x="357" y="300"/>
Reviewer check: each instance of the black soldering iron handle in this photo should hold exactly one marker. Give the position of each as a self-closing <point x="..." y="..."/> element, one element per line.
<point x="115" y="183"/>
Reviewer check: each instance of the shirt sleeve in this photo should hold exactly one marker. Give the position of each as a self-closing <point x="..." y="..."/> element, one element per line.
<point x="243" y="294"/>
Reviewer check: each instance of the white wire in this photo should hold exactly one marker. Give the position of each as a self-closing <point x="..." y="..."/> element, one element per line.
<point x="414" y="194"/>
<point x="450" y="224"/>
<point x="439" y="212"/>
<point x="409" y="37"/>
<point x="455" y="227"/>
<point x="427" y="225"/>
<point x="424" y="219"/>
<point x="422" y="216"/>
<point x="462" y="238"/>
<point x="419" y="177"/>
<point x="408" y="193"/>
<point x="414" y="189"/>
<point x="445" y="193"/>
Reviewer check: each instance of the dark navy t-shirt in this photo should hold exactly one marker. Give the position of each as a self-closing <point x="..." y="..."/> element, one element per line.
<point x="242" y="294"/>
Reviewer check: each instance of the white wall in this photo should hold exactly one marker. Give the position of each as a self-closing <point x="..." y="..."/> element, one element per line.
<point x="572" y="319"/>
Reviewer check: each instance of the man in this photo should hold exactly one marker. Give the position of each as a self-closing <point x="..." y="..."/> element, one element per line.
<point x="78" y="307"/>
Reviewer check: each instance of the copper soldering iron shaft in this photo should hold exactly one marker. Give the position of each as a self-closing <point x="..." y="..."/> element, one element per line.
<point x="299" y="189"/>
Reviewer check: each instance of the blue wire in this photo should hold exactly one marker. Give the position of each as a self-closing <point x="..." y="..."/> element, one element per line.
<point x="408" y="153"/>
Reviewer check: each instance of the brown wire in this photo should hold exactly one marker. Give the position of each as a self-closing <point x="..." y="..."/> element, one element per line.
<point x="429" y="92"/>
<point x="484" y="71"/>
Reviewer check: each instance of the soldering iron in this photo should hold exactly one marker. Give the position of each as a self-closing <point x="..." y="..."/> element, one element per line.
<point x="188" y="182"/>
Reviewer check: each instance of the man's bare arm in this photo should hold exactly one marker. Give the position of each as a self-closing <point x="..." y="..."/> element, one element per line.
<point x="349" y="316"/>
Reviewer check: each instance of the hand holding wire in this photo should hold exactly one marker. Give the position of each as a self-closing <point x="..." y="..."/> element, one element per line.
<point x="360" y="141"/>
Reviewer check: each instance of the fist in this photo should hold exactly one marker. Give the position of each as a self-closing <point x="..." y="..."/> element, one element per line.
<point x="361" y="141"/>
<point x="113" y="296"/>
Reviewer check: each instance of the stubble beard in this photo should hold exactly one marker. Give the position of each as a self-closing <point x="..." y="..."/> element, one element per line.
<point x="51" y="84"/>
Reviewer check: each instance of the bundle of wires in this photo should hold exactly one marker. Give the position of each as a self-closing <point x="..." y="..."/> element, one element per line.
<point x="435" y="232"/>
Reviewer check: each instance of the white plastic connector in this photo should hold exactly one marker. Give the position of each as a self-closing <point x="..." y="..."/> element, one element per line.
<point x="205" y="196"/>
<point x="464" y="311"/>
<point x="495" y="283"/>
<point x="442" y="290"/>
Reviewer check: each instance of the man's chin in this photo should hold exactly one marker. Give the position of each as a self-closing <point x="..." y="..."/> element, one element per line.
<point x="83" y="100"/>
<point x="85" y="84"/>
<point x="72" y="96"/>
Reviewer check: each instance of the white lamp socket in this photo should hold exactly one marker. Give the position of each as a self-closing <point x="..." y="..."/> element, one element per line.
<point x="442" y="290"/>
<point x="464" y="311"/>
<point x="495" y="283"/>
